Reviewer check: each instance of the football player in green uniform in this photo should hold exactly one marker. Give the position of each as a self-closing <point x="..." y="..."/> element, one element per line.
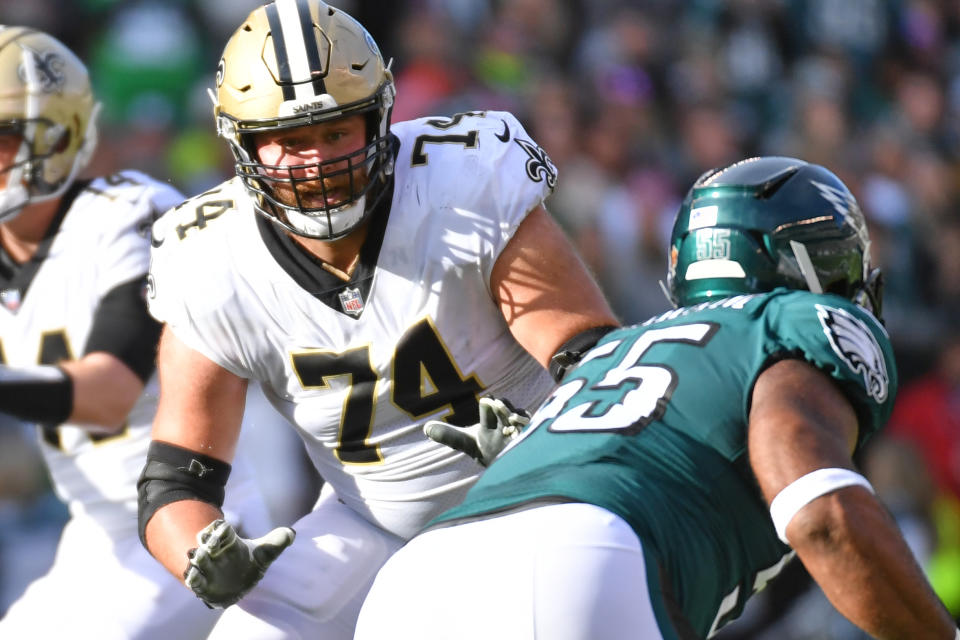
<point x="685" y="460"/>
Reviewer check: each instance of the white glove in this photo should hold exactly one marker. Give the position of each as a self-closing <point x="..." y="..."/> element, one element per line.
<point x="499" y="423"/>
<point x="224" y="566"/>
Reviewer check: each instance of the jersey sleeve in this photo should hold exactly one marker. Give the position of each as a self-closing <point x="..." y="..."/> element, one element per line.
<point x="134" y="201"/>
<point x="845" y="342"/>
<point x="186" y="289"/>
<point x="516" y="170"/>
<point x="483" y="169"/>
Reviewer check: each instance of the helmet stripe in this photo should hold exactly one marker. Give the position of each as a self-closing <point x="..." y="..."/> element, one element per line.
<point x="292" y="22"/>
<point x="12" y="34"/>
<point x="317" y="70"/>
<point x="280" y="51"/>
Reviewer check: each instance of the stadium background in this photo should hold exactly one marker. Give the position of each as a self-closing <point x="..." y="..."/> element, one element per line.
<point x="632" y="99"/>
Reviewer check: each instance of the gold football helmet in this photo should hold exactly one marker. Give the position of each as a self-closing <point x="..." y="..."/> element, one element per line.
<point x="45" y="98"/>
<point x="296" y="63"/>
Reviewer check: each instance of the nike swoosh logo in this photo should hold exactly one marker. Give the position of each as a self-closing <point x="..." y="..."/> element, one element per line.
<point x="505" y="136"/>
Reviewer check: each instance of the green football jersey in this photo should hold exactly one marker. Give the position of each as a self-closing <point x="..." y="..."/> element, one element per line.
<point x="652" y="425"/>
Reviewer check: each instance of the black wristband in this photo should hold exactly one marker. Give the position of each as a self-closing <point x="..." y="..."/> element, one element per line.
<point x="569" y="354"/>
<point x="42" y="394"/>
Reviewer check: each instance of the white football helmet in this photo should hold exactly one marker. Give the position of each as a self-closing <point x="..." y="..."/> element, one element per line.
<point x="45" y="98"/>
<point x="296" y="63"/>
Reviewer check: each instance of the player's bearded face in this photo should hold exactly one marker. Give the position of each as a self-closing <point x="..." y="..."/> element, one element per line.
<point x="298" y="167"/>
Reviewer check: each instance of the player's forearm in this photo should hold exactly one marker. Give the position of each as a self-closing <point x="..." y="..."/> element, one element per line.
<point x="172" y="532"/>
<point x="97" y="390"/>
<point x="105" y="390"/>
<point x="179" y="492"/>
<point x="855" y="552"/>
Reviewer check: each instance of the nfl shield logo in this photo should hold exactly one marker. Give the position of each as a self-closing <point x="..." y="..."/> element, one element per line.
<point x="351" y="301"/>
<point x="10" y="299"/>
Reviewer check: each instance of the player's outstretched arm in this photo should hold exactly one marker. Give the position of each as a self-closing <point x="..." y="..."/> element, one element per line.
<point x="99" y="389"/>
<point x="195" y="433"/>
<point x="800" y="423"/>
<point x="544" y="290"/>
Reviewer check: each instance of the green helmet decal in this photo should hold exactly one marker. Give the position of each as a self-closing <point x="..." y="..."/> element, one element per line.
<point x="770" y="222"/>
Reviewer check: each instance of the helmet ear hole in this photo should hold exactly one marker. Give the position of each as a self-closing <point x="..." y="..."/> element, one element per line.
<point x="62" y="142"/>
<point x="764" y="243"/>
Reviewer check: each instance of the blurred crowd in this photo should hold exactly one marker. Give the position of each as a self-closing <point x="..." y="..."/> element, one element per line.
<point x="633" y="99"/>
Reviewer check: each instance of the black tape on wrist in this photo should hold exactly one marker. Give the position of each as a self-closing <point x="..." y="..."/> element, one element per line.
<point x="570" y="353"/>
<point x="38" y="394"/>
<point x="172" y="474"/>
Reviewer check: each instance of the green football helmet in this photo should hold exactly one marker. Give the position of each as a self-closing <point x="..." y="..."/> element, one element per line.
<point x="770" y="222"/>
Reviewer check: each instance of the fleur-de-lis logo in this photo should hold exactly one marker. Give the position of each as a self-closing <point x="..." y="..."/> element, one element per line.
<point x="47" y="70"/>
<point x="539" y="166"/>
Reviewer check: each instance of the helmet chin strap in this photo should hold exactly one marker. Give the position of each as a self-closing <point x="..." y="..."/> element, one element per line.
<point x="12" y="201"/>
<point x="342" y="221"/>
<point x="15" y="196"/>
<point x="666" y="294"/>
<point x="806" y="267"/>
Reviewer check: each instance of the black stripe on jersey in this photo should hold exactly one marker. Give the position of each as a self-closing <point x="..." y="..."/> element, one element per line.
<point x="123" y="327"/>
<point x="306" y="269"/>
<point x="681" y="626"/>
<point x="310" y="43"/>
<point x="17" y="276"/>
<point x="285" y="78"/>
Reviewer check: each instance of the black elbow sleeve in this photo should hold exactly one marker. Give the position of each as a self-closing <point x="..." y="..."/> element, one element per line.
<point x="172" y="474"/>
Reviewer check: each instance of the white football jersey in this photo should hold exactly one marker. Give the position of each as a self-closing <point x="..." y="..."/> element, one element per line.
<point x="415" y="335"/>
<point x="102" y="242"/>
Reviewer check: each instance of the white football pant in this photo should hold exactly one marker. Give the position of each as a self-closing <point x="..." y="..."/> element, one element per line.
<point x="559" y="572"/>
<point x="316" y="587"/>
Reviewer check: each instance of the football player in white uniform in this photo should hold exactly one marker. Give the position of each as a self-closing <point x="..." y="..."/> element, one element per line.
<point x="77" y="349"/>
<point x="372" y="277"/>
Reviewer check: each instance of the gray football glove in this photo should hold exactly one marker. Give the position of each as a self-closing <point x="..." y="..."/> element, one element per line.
<point x="499" y="423"/>
<point x="224" y="566"/>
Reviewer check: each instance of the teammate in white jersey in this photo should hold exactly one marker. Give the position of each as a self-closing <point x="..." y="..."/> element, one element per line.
<point x="77" y="349"/>
<point x="372" y="277"/>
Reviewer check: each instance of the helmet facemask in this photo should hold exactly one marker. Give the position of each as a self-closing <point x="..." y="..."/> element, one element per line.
<point x="282" y="192"/>
<point x="47" y="103"/>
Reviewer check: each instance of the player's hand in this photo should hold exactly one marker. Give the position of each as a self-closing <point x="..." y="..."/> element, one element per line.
<point x="224" y="566"/>
<point x="499" y="423"/>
